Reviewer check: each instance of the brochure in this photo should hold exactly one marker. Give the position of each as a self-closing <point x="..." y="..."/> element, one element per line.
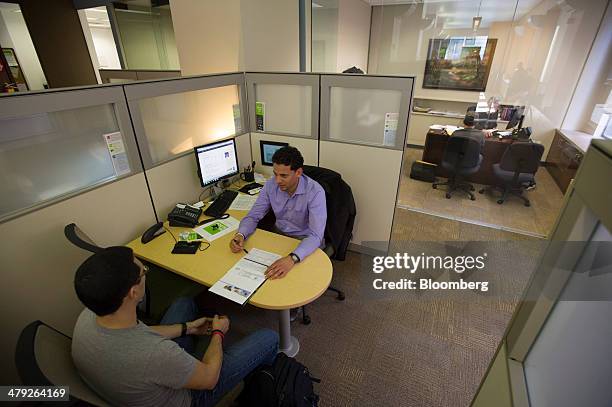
<point x="217" y="228"/>
<point x="242" y="280"/>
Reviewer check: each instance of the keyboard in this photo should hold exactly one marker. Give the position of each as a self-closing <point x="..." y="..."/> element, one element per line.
<point x="221" y="204"/>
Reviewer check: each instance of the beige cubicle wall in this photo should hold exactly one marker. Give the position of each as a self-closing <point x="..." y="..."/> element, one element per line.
<point x="308" y="147"/>
<point x="373" y="174"/>
<point x="38" y="263"/>
<point x="362" y="136"/>
<point x="177" y="180"/>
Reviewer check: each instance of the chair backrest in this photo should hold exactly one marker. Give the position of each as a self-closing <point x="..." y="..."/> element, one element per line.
<point x="78" y="238"/>
<point x="462" y="150"/>
<point x="43" y="358"/>
<point x="522" y="157"/>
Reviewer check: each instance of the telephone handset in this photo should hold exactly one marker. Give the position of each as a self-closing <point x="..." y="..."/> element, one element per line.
<point x="184" y="215"/>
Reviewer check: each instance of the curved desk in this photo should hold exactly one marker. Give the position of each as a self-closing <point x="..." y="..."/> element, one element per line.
<point x="305" y="282"/>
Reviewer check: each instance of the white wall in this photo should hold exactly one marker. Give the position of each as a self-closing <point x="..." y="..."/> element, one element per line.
<point x="270" y="35"/>
<point x="207" y="35"/>
<point x="106" y="50"/>
<point x="595" y="82"/>
<point x="324" y="39"/>
<point x="353" y="34"/>
<point x="16" y="36"/>
<point x="236" y="35"/>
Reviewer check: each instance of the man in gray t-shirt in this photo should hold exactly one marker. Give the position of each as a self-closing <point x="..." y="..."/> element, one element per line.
<point x="129" y="363"/>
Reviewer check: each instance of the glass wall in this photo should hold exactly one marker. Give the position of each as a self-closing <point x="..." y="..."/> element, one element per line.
<point x="147" y="37"/>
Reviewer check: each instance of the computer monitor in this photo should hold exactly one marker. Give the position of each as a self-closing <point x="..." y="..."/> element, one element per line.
<point x="268" y="148"/>
<point x="216" y="161"/>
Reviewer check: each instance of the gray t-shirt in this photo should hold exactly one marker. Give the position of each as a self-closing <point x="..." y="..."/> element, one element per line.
<point x="132" y="366"/>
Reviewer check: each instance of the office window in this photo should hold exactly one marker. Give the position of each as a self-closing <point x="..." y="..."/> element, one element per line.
<point x="360" y="115"/>
<point x="288" y="108"/>
<point x="176" y="123"/>
<point x="47" y="155"/>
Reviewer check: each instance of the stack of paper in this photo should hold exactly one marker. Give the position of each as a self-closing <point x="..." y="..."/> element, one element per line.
<point x="242" y="280"/>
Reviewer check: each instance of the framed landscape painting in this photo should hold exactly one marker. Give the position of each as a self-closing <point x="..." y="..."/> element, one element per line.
<point x="459" y="63"/>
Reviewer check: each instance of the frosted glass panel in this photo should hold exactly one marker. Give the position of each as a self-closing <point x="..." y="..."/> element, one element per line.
<point x="358" y="115"/>
<point x="178" y="122"/>
<point x="569" y="363"/>
<point x="288" y="108"/>
<point x="46" y="155"/>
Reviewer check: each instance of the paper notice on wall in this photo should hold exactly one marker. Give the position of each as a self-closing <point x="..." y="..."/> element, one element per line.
<point x="116" y="148"/>
<point x="391" y="120"/>
<point x="237" y="118"/>
<point x="260" y="116"/>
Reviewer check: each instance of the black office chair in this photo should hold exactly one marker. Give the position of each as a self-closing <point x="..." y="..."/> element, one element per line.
<point x="80" y="239"/>
<point x="461" y="158"/>
<point x="43" y="358"/>
<point x="517" y="169"/>
<point x="341" y="213"/>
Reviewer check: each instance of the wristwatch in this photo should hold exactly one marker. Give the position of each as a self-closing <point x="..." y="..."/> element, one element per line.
<point x="294" y="257"/>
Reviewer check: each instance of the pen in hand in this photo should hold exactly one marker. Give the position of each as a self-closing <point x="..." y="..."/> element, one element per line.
<point x="238" y="243"/>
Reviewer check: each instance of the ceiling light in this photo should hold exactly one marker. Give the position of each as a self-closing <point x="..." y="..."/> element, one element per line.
<point x="316" y="5"/>
<point x="477" y="19"/>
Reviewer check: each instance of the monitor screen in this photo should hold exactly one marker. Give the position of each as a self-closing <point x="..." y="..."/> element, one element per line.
<point x="216" y="161"/>
<point x="268" y="148"/>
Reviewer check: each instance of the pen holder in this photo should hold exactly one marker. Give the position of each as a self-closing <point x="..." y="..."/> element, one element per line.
<point x="248" y="176"/>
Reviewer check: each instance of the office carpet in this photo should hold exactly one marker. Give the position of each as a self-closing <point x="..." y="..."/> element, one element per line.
<point x="407" y="350"/>
<point x="538" y="219"/>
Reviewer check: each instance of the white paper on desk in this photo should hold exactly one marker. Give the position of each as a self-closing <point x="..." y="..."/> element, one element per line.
<point x="245" y="277"/>
<point x="243" y="202"/>
<point x="217" y="228"/>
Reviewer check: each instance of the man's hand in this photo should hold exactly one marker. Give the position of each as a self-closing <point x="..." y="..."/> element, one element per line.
<point x="221" y="323"/>
<point x="280" y="268"/>
<point x="237" y="243"/>
<point x="201" y="326"/>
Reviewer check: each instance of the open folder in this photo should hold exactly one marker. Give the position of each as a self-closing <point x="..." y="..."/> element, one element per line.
<point x="245" y="277"/>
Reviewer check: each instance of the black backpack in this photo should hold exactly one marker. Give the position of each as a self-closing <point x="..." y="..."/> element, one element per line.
<point x="287" y="383"/>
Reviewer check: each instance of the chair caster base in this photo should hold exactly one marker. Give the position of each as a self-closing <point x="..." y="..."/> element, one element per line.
<point x="448" y="196"/>
<point x="434" y="186"/>
<point x="340" y="297"/>
<point x="472" y="198"/>
<point x="306" y="320"/>
<point x="500" y="201"/>
<point x="482" y="191"/>
<point x="527" y="204"/>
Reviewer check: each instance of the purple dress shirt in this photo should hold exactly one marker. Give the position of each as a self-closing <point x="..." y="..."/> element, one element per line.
<point x="303" y="214"/>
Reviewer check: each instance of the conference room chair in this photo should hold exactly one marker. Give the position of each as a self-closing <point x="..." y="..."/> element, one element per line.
<point x="461" y="158"/>
<point x="517" y="169"/>
<point x="43" y="358"/>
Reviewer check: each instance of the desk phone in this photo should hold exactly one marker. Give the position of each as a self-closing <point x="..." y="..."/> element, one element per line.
<point x="184" y="215"/>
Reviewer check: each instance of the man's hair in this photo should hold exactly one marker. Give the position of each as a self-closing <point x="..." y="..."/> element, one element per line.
<point x="105" y="278"/>
<point x="290" y="156"/>
<point x="468" y="120"/>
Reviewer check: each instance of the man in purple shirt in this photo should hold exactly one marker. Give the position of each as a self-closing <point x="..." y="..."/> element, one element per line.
<point x="298" y="203"/>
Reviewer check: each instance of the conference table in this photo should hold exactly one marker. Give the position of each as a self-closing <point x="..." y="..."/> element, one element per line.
<point x="306" y="281"/>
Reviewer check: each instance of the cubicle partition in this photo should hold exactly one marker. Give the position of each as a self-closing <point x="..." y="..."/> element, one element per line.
<point x="65" y="156"/>
<point x="363" y="131"/>
<point x="171" y="117"/>
<point x="284" y="108"/>
<point x="115" y="158"/>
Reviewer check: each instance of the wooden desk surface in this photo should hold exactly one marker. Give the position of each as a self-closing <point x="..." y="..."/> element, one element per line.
<point x="303" y="284"/>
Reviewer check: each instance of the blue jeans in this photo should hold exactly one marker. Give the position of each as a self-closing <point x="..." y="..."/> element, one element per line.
<point x="239" y="360"/>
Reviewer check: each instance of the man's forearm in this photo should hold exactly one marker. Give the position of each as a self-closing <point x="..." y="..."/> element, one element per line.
<point x="213" y="357"/>
<point x="307" y="246"/>
<point x="168" y="331"/>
